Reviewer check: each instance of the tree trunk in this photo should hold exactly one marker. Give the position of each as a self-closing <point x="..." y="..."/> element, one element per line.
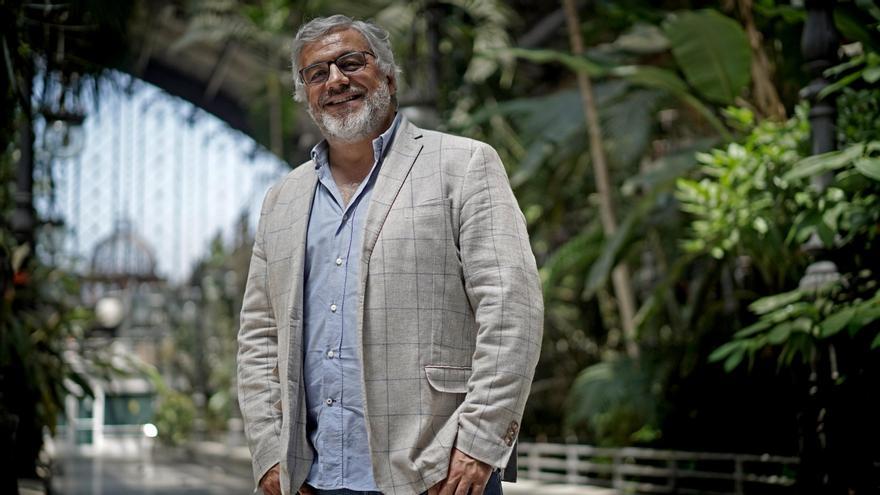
<point x="766" y="97"/>
<point x="620" y="277"/>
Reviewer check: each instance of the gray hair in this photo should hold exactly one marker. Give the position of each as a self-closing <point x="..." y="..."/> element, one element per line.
<point x="378" y="39"/>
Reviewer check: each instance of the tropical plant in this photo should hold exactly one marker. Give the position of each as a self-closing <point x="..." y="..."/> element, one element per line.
<point x="542" y="136"/>
<point x="40" y="318"/>
<point x="844" y="215"/>
<point x="70" y="43"/>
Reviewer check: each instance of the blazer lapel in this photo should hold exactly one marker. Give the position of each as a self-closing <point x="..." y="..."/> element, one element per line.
<point x="297" y="193"/>
<point x="398" y="162"/>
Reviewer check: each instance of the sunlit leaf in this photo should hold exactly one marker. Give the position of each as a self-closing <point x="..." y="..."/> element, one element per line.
<point x="818" y="164"/>
<point x="869" y="167"/>
<point x="770" y="303"/>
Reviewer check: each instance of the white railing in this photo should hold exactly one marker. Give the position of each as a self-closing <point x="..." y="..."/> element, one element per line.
<point x="637" y="470"/>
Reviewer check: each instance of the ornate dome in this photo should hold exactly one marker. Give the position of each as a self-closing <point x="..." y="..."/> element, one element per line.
<point x="124" y="255"/>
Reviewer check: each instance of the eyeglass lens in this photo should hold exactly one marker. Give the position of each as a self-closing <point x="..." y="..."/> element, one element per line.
<point x="347" y="64"/>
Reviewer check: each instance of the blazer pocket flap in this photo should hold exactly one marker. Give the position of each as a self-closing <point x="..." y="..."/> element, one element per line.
<point x="431" y="207"/>
<point x="449" y="379"/>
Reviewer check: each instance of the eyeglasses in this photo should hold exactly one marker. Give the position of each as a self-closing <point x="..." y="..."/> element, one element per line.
<point x="348" y="63"/>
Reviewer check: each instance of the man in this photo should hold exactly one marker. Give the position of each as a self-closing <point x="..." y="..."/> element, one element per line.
<point x="393" y="315"/>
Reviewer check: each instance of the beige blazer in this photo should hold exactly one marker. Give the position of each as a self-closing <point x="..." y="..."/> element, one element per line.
<point x="450" y="321"/>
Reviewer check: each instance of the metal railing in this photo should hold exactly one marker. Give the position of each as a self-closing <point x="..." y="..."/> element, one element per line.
<point x="637" y="470"/>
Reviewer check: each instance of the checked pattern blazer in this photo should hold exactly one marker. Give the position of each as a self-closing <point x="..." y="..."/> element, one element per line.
<point x="450" y="322"/>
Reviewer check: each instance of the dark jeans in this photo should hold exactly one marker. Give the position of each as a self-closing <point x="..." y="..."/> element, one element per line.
<point x="493" y="487"/>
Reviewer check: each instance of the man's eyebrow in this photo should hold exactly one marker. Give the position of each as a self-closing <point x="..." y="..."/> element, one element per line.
<point x="333" y="59"/>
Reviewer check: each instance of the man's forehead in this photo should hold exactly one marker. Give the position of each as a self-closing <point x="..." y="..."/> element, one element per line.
<point x="332" y="44"/>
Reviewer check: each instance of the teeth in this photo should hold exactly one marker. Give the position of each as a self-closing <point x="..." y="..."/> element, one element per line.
<point x="343" y="101"/>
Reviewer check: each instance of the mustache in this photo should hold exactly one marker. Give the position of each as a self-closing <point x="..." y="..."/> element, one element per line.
<point x="340" y="93"/>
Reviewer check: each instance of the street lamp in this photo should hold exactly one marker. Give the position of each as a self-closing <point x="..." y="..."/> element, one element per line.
<point x="64" y="135"/>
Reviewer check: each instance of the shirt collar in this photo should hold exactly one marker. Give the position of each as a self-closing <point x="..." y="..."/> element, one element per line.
<point x="320" y="152"/>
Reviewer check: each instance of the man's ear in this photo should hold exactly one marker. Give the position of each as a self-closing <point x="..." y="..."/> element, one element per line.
<point x="392" y="84"/>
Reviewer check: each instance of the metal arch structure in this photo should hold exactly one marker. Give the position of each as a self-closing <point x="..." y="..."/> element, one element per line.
<point x="220" y="78"/>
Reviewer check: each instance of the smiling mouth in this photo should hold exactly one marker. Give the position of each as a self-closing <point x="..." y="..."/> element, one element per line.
<point x="345" y="99"/>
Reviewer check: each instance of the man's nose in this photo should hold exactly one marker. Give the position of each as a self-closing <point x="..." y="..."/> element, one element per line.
<point x="336" y="77"/>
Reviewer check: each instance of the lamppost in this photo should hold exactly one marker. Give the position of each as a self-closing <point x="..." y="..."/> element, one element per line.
<point x="819" y="45"/>
<point x="23" y="220"/>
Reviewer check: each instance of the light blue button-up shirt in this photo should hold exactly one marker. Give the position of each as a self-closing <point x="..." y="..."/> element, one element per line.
<point x="332" y="370"/>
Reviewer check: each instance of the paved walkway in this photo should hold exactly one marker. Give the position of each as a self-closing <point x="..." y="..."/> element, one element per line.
<point x="206" y="469"/>
<point x="84" y="476"/>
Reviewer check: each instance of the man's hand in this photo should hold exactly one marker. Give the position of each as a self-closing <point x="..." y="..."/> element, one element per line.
<point x="271" y="482"/>
<point x="466" y="476"/>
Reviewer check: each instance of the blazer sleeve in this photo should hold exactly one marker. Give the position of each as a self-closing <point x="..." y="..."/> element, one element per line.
<point x="503" y="287"/>
<point x="259" y="388"/>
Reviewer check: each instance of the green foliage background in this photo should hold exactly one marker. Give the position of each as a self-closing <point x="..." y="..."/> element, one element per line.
<point x="711" y="186"/>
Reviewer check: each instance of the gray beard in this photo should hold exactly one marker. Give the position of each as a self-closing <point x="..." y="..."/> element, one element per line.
<point x="360" y="124"/>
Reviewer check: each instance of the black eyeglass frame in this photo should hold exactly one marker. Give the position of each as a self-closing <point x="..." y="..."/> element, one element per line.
<point x="302" y="72"/>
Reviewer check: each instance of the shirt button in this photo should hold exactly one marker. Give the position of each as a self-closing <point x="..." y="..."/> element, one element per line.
<point x="333" y="308"/>
<point x="330" y="354"/>
<point x="338" y="261"/>
<point x="329" y="402"/>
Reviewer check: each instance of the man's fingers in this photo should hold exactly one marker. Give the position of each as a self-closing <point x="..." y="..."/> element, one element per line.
<point x="478" y="488"/>
<point x="445" y="488"/>
<point x="463" y="488"/>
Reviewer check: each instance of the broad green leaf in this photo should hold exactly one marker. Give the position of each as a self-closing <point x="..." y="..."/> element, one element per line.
<point x="655" y="77"/>
<point x="642" y="39"/>
<point x="541" y="56"/>
<point x="865" y="313"/>
<point x="780" y="333"/>
<point x="752" y="329"/>
<point x="734" y="359"/>
<point x="726" y="350"/>
<point x="841" y="83"/>
<point x="869" y="167"/>
<point x="835" y="323"/>
<point x="601" y="269"/>
<point x="770" y="303"/>
<point x="818" y="164"/>
<point x="646" y="76"/>
<point x="573" y="256"/>
<point x="871" y="75"/>
<point x="876" y="343"/>
<point x="664" y="171"/>
<point x="856" y="61"/>
<point x="713" y="52"/>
